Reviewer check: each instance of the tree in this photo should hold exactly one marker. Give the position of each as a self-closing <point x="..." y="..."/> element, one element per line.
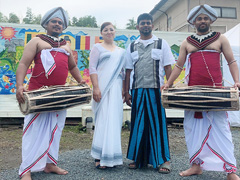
<point x="29" y="18"/>
<point x="13" y="18"/>
<point x="3" y="18"/>
<point x="37" y="19"/>
<point x="131" y="24"/>
<point x="74" y="21"/>
<point x="86" y="21"/>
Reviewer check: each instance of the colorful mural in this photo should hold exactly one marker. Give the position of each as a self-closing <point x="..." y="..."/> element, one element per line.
<point x="13" y="40"/>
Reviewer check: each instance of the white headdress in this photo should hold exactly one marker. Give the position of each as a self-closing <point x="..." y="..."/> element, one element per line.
<point x="57" y="12"/>
<point x="202" y="9"/>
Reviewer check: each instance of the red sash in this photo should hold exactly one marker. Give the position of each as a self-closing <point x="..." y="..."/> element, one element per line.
<point x="205" y="69"/>
<point x="58" y="76"/>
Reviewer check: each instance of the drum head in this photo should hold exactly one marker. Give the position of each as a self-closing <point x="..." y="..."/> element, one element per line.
<point x="24" y="107"/>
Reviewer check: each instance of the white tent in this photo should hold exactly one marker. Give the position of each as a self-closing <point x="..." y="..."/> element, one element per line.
<point x="233" y="35"/>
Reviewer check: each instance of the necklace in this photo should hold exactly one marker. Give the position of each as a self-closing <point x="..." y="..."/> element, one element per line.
<point x="56" y="51"/>
<point x="53" y="41"/>
<point x="201" y="42"/>
<point x="202" y="37"/>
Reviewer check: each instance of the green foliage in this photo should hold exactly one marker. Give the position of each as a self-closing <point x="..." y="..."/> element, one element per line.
<point x="13" y="18"/>
<point x="4" y="53"/>
<point x="120" y="44"/>
<point x="84" y="59"/>
<point x="131" y="24"/>
<point x="30" y="18"/>
<point x="81" y="128"/>
<point x="86" y="21"/>
<point x="74" y="21"/>
<point x="37" y="19"/>
<point x="3" y="18"/>
<point x="9" y="59"/>
<point x="4" y="56"/>
<point x="75" y="129"/>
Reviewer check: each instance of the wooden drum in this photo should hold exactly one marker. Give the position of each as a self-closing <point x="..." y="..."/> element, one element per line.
<point x="55" y="98"/>
<point x="199" y="98"/>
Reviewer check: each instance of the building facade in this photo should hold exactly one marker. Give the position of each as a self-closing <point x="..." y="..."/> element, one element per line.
<point x="171" y="15"/>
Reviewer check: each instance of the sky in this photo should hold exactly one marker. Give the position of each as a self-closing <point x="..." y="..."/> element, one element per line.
<point x="116" y="11"/>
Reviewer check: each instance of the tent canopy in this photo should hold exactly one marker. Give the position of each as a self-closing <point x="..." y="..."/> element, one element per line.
<point x="233" y="36"/>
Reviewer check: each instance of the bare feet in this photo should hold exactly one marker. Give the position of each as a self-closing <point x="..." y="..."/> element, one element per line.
<point x="194" y="170"/>
<point x="52" y="168"/>
<point x="232" y="176"/>
<point x="27" y="176"/>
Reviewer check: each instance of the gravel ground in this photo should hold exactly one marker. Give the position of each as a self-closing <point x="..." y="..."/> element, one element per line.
<point x="80" y="165"/>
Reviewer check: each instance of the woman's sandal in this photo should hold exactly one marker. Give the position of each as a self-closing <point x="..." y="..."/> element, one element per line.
<point x="98" y="166"/>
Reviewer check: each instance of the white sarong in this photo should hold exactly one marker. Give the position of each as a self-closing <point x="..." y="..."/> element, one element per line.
<point x="209" y="141"/>
<point x="40" y="141"/>
<point x="106" y="144"/>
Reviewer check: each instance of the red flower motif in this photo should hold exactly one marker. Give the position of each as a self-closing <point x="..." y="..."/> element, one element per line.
<point x="86" y="72"/>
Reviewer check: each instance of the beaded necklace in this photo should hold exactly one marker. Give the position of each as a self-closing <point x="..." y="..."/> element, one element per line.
<point x="53" y="41"/>
<point x="201" y="42"/>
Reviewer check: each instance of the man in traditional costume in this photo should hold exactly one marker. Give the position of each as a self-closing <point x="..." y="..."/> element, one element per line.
<point x="146" y="60"/>
<point x="53" y="59"/>
<point x="208" y="136"/>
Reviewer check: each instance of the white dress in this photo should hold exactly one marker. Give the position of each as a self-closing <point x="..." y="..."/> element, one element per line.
<point x="106" y="144"/>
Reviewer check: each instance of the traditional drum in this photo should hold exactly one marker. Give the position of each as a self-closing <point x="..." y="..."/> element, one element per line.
<point x="198" y="98"/>
<point x="55" y="98"/>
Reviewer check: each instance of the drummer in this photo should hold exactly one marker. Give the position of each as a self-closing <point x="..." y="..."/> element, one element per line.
<point x="208" y="135"/>
<point x="53" y="59"/>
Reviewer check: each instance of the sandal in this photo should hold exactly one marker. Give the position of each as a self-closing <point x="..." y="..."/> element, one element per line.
<point x="98" y="166"/>
<point x="166" y="167"/>
<point x="132" y="165"/>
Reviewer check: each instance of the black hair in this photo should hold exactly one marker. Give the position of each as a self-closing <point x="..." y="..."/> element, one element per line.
<point x="144" y="16"/>
<point x="104" y="25"/>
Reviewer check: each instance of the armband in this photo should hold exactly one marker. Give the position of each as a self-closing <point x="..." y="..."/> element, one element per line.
<point x="231" y="62"/>
<point x="179" y="67"/>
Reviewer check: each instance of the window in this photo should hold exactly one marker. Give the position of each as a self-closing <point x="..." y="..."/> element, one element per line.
<point x="226" y="12"/>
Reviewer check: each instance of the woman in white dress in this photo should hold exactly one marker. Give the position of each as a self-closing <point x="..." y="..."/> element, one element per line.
<point x="106" y="73"/>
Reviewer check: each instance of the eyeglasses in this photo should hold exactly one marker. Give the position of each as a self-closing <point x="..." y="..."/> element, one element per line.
<point x="143" y="23"/>
<point x="55" y="21"/>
